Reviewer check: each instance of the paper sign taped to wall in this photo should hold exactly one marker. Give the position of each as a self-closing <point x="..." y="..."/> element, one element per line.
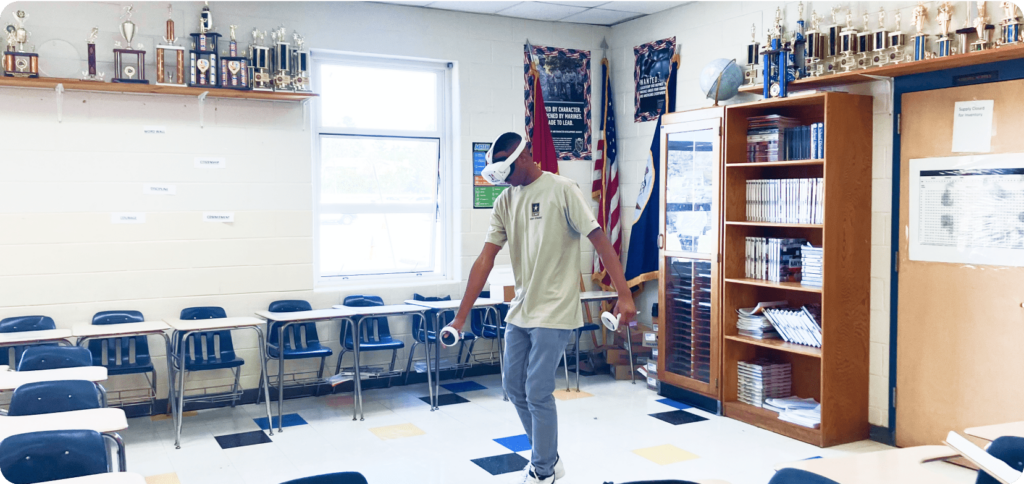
<point x="128" y="218"/>
<point x="154" y="130"/>
<point x="972" y="126"/>
<point x="154" y="189"/>
<point x="211" y="162"/>
<point x="219" y="216"/>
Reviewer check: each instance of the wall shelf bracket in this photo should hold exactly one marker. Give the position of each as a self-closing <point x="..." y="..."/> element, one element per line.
<point x="60" y="102"/>
<point x="202" y="103"/>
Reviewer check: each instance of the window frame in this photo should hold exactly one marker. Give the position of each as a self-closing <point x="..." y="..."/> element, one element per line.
<point x="446" y="204"/>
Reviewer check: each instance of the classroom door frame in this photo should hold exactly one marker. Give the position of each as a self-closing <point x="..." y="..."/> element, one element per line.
<point x="963" y="76"/>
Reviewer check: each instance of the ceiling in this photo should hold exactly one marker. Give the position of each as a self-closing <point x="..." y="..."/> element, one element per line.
<point x="594" y="13"/>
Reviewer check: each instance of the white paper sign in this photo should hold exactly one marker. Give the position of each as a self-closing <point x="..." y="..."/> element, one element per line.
<point x="219" y="216"/>
<point x="128" y="218"/>
<point x="154" y="130"/>
<point x="972" y="126"/>
<point x="211" y="162"/>
<point x="154" y="189"/>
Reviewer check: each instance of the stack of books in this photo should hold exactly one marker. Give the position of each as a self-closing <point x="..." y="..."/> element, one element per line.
<point x="810" y="265"/>
<point x="762" y="379"/>
<point x="800" y="411"/>
<point x="792" y="200"/>
<point x="754" y="324"/>
<point x="773" y="259"/>
<point x="800" y="326"/>
<point x="778" y="138"/>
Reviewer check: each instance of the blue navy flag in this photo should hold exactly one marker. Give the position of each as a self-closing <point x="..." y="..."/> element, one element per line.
<point x="642" y="254"/>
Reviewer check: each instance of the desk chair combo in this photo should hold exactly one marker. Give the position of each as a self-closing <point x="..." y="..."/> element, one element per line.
<point x="482" y="326"/>
<point x="783" y="476"/>
<point x="127" y="355"/>
<point x="425" y="332"/>
<point x="208" y="351"/>
<point x="293" y="341"/>
<point x="374" y="335"/>
<point x="11" y="355"/>
<point x="334" y="478"/>
<point x="54" y="358"/>
<point x="51" y="455"/>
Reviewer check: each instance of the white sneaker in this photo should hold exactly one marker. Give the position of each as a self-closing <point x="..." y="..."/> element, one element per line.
<point x="528" y="477"/>
<point x="559" y="468"/>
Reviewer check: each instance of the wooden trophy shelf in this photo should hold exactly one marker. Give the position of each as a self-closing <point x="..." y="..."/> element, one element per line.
<point x="93" y="86"/>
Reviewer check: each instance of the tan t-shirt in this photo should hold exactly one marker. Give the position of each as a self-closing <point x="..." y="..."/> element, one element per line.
<point x="542" y="223"/>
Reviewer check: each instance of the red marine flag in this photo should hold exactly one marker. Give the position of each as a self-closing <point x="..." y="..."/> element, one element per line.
<point x="538" y="132"/>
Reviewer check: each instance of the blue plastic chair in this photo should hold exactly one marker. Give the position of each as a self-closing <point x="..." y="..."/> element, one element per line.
<point x="124" y="364"/>
<point x="335" y="478"/>
<point x="375" y="334"/>
<point x="54" y="357"/>
<point x="294" y="349"/>
<point x="423" y="334"/>
<point x="798" y="476"/>
<point x="1007" y="449"/>
<point x="54" y="397"/>
<point x="209" y="350"/>
<point x="578" y="332"/>
<point x="11" y="355"/>
<point x="52" y="455"/>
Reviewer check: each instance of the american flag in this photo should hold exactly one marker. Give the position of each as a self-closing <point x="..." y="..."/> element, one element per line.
<point x="606" y="180"/>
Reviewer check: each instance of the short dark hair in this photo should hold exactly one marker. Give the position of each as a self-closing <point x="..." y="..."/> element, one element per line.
<point x="506" y="142"/>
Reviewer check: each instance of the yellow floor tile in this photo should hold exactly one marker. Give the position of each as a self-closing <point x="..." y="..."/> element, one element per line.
<point x="665" y="454"/>
<point x="171" y="478"/>
<point x="571" y="395"/>
<point x="400" y="431"/>
<point x="167" y="416"/>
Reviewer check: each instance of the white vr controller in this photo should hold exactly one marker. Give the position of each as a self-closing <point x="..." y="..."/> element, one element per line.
<point x="611" y="321"/>
<point x="449" y="336"/>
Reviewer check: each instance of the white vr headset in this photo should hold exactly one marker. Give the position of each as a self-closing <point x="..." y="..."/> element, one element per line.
<point x="497" y="172"/>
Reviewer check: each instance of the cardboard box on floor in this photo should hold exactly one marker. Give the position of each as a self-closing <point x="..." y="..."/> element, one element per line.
<point x="622" y="372"/>
<point x="619" y="356"/>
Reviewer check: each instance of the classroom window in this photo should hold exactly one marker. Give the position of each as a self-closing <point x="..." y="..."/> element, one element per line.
<point x="382" y="137"/>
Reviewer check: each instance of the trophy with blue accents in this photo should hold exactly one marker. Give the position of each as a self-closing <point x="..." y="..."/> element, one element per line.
<point x="751" y="72"/>
<point x="775" y="54"/>
<point x="204" y="69"/>
<point x="259" y="62"/>
<point x="282" y="61"/>
<point x="1011" y="26"/>
<point x="881" y="41"/>
<point x="234" y="70"/>
<point x="944" y="18"/>
<point x="921" y="39"/>
<point x="300" y="65"/>
<point x="897" y="41"/>
<point x="816" y="46"/>
<point x="798" y="56"/>
<point x="833" y="42"/>
<point x="865" y="44"/>
<point x="18" y="60"/>
<point x="848" y="45"/>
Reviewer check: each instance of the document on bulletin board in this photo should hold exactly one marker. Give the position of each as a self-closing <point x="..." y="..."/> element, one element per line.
<point x="968" y="209"/>
<point x="484" y="192"/>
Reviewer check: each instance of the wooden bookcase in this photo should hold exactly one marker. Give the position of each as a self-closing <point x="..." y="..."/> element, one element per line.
<point x="836" y="375"/>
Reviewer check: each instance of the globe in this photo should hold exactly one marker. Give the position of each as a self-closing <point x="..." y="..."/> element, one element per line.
<point x="721" y="79"/>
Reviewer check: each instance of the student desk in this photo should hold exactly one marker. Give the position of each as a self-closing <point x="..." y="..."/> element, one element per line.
<point x="897" y="466"/>
<point x="11" y="380"/>
<point x="993" y="432"/>
<point x="32" y="338"/>
<point x="356" y="315"/>
<point x="187" y="327"/>
<point x="105" y="478"/>
<point x="86" y="332"/>
<point x="490" y="305"/>
<point x="102" y="420"/>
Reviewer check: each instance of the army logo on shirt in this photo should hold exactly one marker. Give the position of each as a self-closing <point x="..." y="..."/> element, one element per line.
<point x="536" y="211"/>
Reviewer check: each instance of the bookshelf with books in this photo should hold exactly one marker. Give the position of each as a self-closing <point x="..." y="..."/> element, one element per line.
<point x="773" y="206"/>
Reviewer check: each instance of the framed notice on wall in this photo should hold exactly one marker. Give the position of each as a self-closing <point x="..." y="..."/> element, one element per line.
<point x="484" y="193"/>
<point x="565" y="84"/>
<point x="650" y="75"/>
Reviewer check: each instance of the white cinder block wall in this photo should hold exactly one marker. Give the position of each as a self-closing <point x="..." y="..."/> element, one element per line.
<point x="59" y="182"/>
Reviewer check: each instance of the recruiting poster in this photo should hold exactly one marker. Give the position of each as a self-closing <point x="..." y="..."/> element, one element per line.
<point x="565" y="83"/>
<point x="650" y="74"/>
<point x="484" y="193"/>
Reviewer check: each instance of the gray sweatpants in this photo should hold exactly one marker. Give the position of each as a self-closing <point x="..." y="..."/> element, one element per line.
<point x="531" y="359"/>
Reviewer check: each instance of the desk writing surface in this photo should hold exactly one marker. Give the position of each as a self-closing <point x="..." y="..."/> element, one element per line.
<point x="34" y="336"/>
<point x="454" y="304"/>
<point x="597" y="296"/>
<point x="897" y="466"/>
<point x="98" y="419"/>
<point x="105" y="478"/>
<point x="993" y="432"/>
<point x="212" y="324"/>
<point x="381" y="310"/>
<point x="105" y="330"/>
<point x="10" y="380"/>
<point x="314" y="315"/>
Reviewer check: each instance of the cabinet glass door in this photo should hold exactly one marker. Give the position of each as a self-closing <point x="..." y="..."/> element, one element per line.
<point x="690" y="191"/>
<point x="688" y="318"/>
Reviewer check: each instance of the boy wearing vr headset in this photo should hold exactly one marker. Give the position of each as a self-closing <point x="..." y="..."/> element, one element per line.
<point x="541" y="217"/>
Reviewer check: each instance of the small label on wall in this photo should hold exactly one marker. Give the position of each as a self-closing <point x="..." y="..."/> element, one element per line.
<point x="219" y="216"/>
<point x="128" y="218"/>
<point x="154" y="130"/>
<point x="211" y="162"/>
<point x="153" y="189"/>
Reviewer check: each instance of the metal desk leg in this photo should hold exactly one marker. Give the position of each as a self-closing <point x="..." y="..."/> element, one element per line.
<point x="501" y="352"/>
<point x="170" y="374"/>
<point x="579" y="333"/>
<point x="357" y="386"/>
<point x="265" y="383"/>
<point x="280" y="377"/>
<point x="437" y="360"/>
<point x="565" y="363"/>
<point x="629" y="346"/>
<point x="181" y="391"/>
<point x="426" y="360"/>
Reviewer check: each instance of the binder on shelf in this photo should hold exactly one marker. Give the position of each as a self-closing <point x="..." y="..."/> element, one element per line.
<point x="792" y="200"/>
<point x="798" y="326"/>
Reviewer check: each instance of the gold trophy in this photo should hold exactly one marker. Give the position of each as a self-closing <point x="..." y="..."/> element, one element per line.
<point x="164" y="77"/>
<point x="129" y="64"/>
<point x="18" y="60"/>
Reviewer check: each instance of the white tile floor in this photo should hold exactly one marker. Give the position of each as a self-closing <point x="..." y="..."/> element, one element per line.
<point x="597" y="438"/>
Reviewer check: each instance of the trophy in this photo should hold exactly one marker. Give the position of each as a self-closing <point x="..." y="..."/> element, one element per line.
<point x="848" y="45"/>
<point x="203" y="66"/>
<point x="881" y="42"/>
<point x="776" y="53"/>
<point x="815" y="47"/>
<point x="832" y="44"/>
<point x="921" y="39"/>
<point x="944" y="18"/>
<point x="234" y="70"/>
<point x="90" y="43"/>
<point x="798" y="56"/>
<point x="896" y="42"/>
<point x="259" y="62"/>
<point x="750" y="70"/>
<point x="282" y="61"/>
<point x="164" y="77"/>
<point x="865" y="43"/>
<point x="18" y="62"/>
<point x="129" y="64"/>
<point x="300" y="65"/>
<point x="1010" y="26"/>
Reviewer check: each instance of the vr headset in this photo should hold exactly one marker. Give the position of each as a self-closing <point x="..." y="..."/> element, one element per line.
<point x="498" y="172"/>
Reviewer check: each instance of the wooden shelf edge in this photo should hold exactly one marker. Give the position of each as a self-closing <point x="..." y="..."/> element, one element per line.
<point x="820" y="161"/>
<point x="904" y="69"/>
<point x="773" y="224"/>
<point x="78" y="85"/>
<point x="777" y="344"/>
<point x="769" y="420"/>
<point x="794" y="286"/>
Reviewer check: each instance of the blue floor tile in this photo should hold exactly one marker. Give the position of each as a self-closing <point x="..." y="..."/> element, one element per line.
<point x="674" y="404"/>
<point x="289" y="420"/>
<point x="502" y="464"/>
<point x="516" y="443"/>
<point x="678" y="417"/>
<point x="243" y="439"/>
<point x="464" y="386"/>
<point x="446" y="399"/>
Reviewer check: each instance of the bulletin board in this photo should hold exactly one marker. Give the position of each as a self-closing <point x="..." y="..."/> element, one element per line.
<point x="484" y="192"/>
